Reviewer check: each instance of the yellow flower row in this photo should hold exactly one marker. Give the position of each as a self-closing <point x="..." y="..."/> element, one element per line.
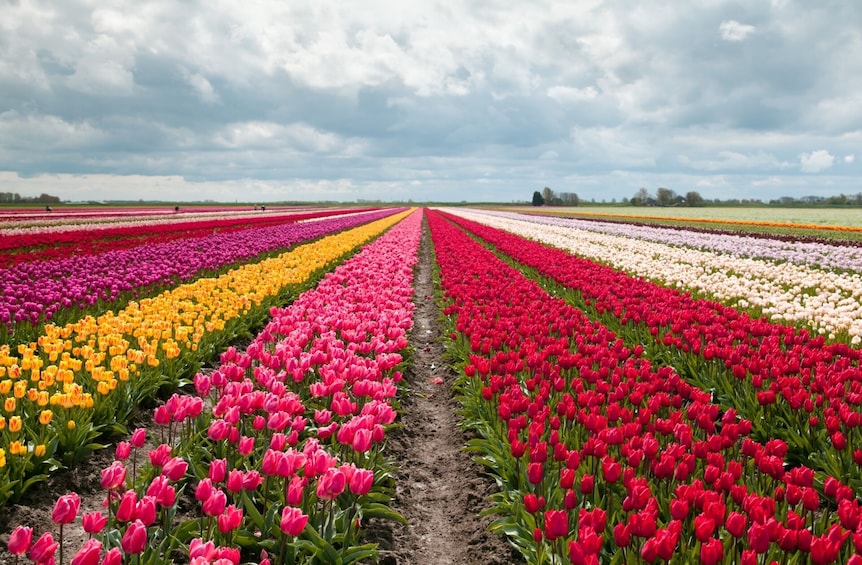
<point x="67" y="365"/>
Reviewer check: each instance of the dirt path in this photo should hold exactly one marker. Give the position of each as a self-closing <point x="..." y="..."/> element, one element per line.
<point x="440" y="490"/>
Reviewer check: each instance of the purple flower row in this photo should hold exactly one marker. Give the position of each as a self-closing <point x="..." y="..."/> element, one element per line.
<point x="34" y="292"/>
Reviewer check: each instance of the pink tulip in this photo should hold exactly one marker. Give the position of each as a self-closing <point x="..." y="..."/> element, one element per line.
<point x="19" y="540"/>
<point x="44" y="548"/>
<point x="139" y="438"/>
<point x="135" y="539"/>
<point x="126" y="509"/>
<point x="230" y="520"/>
<point x="66" y="509"/>
<point x="114" y="477"/>
<point x="215" y="504"/>
<point x="89" y="554"/>
<point x="293" y="521"/>
<point x="94" y="522"/>
<point x="361" y="481"/>
<point x="113" y="557"/>
<point x="123" y="451"/>
<point x="218" y="470"/>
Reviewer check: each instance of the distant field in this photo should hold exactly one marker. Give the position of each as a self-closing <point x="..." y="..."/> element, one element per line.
<point x="805" y="216"/>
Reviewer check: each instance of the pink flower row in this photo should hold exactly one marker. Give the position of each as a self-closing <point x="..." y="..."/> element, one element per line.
<point x="294" y="429"/>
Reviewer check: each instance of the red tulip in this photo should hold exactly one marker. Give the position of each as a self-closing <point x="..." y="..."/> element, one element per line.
<point x="556" y="524"/>
<point x="611" y="470"/>
<point x="704" y="526"/>
<point x="66" y="509"/>
<point x="531" y="503"/>
<point x="622" y="538"/>
<point x="736" y="524"/>
<point x="535" y="471"/>
<point x="19" y="540"/>
<point x="587" y="484"/>
<point x="135" y="539"/>
<point x="711" y="552"/>
<point x="293" y="521"/>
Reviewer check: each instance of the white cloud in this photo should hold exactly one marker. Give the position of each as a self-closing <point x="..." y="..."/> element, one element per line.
<point x="732" y="30"/>
<point x="849" y="158"/>
<point x="816" y="161"/>
<point x="202" y="87"/>
<point x="570" y="94"/>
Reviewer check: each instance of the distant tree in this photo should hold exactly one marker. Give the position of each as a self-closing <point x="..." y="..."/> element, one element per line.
<point x="664" y="196"/>
<point x="569" y="199"/>
<point x="538" y="200"/>
<point x="641" y="197"/>
<point x="693" y="199"/>
<point x="548" y="195"/>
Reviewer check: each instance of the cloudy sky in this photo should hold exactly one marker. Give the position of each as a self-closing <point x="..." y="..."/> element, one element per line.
<point x="483" y="100"/>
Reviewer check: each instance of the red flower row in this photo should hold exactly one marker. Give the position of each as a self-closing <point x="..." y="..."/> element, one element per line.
<point x="606" y="453"/>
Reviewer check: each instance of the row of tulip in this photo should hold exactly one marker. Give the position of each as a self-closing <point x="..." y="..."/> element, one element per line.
<point x="77" y="381"/>
<point x="789" y="384"/>
<point x="13" y="220"/>
<point x="62" y="242"/>
<point x="824" y="253"/>
<point x="604" y="457"/>
<point x="37" y="292"/>
<point x="829" y="302"/>
<point x="281" y="445"/>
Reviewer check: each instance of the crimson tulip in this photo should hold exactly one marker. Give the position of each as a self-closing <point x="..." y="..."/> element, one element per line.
<point x="556" y="524"/>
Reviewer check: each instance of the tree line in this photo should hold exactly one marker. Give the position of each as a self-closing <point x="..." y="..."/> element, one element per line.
<point x="665" y="197"/>
<point x="15" y="198"/>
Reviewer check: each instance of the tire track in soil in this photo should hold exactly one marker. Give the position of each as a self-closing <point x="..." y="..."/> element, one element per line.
<point x="439" y="489"/>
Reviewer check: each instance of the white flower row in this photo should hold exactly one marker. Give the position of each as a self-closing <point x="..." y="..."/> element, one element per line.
<point x="91" y="224"/>
<point x="829" y="302"/>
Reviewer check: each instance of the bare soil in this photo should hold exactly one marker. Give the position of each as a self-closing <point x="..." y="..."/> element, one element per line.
<point x="439" y="489"/>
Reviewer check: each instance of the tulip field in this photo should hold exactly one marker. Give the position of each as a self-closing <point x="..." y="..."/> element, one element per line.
<point x="638" y="394"/>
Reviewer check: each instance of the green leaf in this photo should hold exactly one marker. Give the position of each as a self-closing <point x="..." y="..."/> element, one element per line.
<point x="252" y="511"/>
<point x="354" y="554"/>
<point x="377" y="510"/>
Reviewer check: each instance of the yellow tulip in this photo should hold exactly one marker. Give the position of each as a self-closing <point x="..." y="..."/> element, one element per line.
<point x="39" y="450"/>
<point x="70" y="424"/>
<point x="15" y="424"/>
<point x="10" y="404"/>
<point x="45" y="417"/>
